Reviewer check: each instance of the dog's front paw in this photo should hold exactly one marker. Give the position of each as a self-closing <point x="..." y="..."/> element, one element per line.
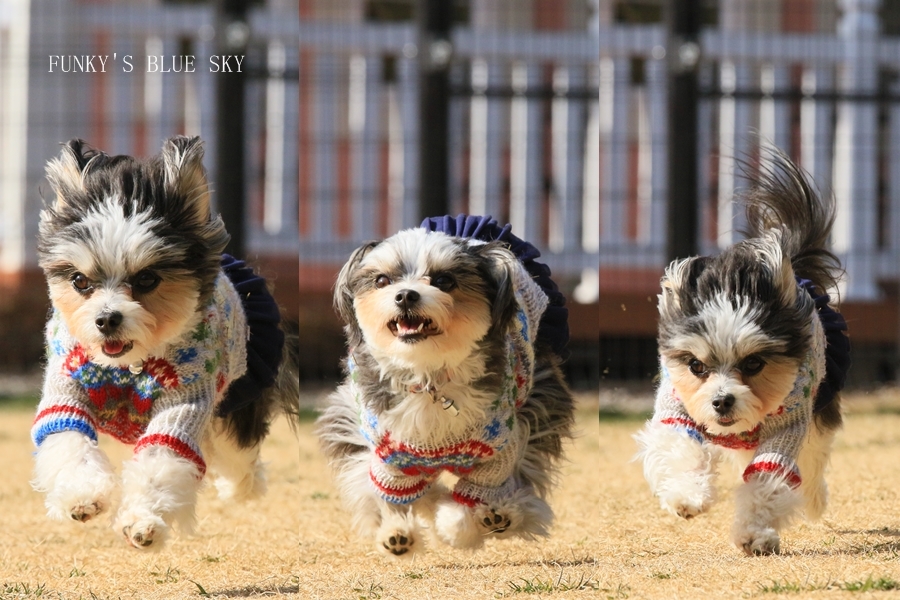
<point x="398" y="535"/>
<point x="491" y="520"/>
<point x="687" y="496"/>
<point x="143" y="533"/>
<point x="75" y="475"/>
<point x="684" y="508"/>
<point x="85" y="511"/>
<point x="399" y="543"/>
<point x="759" y="543"/>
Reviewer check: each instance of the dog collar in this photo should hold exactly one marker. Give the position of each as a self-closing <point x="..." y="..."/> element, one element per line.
<point x="447" y="404"/>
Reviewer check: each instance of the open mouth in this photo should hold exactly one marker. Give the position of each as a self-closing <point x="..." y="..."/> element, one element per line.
<point x="726" y="421"/>
<point x="116" y="348"/>
<point x="412" y="328"/>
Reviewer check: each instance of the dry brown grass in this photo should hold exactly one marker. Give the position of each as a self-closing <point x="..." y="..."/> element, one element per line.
<point x="610" y="541"/>
<point x="293" y="543"/>
<point x="855" y="550"/>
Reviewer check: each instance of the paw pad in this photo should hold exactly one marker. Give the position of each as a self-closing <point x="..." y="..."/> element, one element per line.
<point x="139" y="538"/>
<point x="494" y="522"/>
<point x="85" y="512"/>
<point x="762" y="547"/>
<point x="687" y="512"/>
<point x="398" y="544"/>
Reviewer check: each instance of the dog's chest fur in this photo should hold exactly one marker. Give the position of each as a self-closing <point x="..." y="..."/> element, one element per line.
<point x="458" y="417"/>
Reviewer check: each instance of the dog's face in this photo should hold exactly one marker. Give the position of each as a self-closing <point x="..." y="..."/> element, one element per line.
<point x="129" y="247"/>
<point x="734" y="331"/>
<point x="424" y="300"/>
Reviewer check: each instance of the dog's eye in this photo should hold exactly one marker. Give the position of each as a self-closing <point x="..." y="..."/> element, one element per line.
<point x="382" y="281"/>
<point x="697" y="368"/>
<point x="443" y="282"/>
<point x="752" y="365"/>
<point x="81" y="283"/>
<point x="145" y="281"/>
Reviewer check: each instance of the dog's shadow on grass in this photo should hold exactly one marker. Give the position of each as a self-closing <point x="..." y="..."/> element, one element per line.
<point x="863" y="547"/>
<point x="885" y="531"/>
<point x="253" y="591"/>
<point x="575" y="562"/>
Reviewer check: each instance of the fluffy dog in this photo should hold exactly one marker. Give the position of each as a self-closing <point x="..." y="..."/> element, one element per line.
<point x="444" y="375"/>
<point x="154" y="338"/>
<point x="742" y="341"/>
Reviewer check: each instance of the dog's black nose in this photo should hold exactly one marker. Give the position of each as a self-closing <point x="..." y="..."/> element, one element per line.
<point x="406" y="298"/>
<point x="723" y="404"/>
<point x="107" y="322"/>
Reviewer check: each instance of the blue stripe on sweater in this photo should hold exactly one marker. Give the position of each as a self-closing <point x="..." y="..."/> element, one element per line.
<point x="63" y="424"/>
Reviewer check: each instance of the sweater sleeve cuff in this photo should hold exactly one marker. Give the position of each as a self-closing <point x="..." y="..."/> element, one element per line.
<point x="185" y="450"/>
<point x="400" y="488"/>
<point x="55" y="419"/>
<point x="471" y="494"/>
<point x="775" y="465"/>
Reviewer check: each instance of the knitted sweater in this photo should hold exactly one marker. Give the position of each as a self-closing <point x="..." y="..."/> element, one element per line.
<point x="485" y="455"/>
<point x="167" y="404"/>
<point x="776" y="441"/>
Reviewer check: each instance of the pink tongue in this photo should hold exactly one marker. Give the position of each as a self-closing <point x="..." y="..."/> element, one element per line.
<point x="113" y="347"/>
<point x="408" y="326"/>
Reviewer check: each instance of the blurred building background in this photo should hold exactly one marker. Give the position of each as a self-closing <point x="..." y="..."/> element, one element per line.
<point x="817" y="78"/>
<point x="131" y="111"/>
<point x="522" y="142"/>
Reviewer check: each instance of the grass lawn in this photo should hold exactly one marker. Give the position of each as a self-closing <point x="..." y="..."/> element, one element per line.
<point x="611" y="540"/>
<point x="293" y="543"/>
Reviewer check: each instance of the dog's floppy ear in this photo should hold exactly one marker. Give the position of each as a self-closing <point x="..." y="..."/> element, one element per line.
<point x="185" y="176"/>
<point x="501" y="265"/>
<point x="343" y="292"/>
<point x="65" y="173"/>
<point x="678" y="281"/>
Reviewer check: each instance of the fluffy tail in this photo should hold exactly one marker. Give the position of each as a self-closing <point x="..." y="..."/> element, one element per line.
<point x="549" y="412"/>
<point x="286" y="390"/>
<point x="785" y="199"/>
<point x="249" y="424"/>
<point x="338" y="428"/>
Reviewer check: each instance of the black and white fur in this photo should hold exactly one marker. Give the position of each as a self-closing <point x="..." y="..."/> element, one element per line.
<point x="120" y="222"/>
<point x="733" y="329"/>
<point x="463" y="303"/>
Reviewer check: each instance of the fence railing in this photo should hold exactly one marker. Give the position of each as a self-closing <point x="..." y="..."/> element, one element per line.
<point x="524" y="145"/>
<point x="147" y="91"/>
<point x="832" y="101"/>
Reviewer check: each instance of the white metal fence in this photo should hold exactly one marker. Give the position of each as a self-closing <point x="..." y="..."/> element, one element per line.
<point x="133" y="106"/>
<point x="841" y="133"/>
<point x="525" y="156"/>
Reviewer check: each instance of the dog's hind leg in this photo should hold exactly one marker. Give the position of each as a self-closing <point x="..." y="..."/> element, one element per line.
<point x="812" y="462"/>
<point x="240" y="473"/>
<point x="680" y="470"/>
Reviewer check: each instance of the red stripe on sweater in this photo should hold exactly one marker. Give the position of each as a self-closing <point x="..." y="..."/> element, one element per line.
<point x="473" y="448"/>
<point x="680" y="421"/>
<point x="173" y="443"/>
<point x="66" y="410"/>
<point x="747" y="440"/>
<point x="466" y="500"/>
<point x="413" y="489"/>
<point x="772" y="468"/>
